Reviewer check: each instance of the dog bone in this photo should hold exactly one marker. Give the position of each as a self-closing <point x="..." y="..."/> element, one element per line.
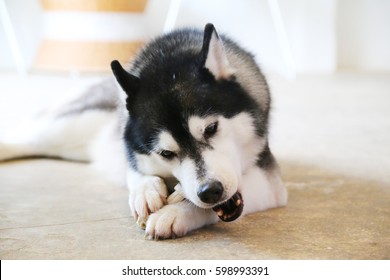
<point x="176" y="196"/>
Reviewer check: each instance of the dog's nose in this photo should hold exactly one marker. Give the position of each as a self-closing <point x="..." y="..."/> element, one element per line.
<point x="210" y="192"/>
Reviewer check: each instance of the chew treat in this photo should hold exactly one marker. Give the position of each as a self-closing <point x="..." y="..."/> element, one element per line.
<point x="176" y="196"/>
<point x="230" y="209"/>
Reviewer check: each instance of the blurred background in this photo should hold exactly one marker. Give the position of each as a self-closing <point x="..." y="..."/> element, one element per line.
<point x="327" y="62"/>
<point x="288" y="37"/>
<point x="328" y="66"/>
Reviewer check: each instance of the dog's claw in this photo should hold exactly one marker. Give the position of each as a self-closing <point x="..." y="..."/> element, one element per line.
<point x="152" y="236"/>
<point x="141" y="222"/>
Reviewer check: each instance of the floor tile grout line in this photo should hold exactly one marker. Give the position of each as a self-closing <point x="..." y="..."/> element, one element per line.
<point x="63" y="224"/>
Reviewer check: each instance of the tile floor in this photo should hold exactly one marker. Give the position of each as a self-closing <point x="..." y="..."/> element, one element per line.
<point x="331" y="135"/>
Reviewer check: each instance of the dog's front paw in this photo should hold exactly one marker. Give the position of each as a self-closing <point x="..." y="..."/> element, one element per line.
<point x="168" y="222"/>
<point x="176" y="220"/>
<point x="148" y="196"/>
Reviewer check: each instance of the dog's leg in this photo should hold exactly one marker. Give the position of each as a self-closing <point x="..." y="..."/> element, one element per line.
<point x="176" y="220"/>
<point x="262" y="189"/>
<point x="147" y="194"/>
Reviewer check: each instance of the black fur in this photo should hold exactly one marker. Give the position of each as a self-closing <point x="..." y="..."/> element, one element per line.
<point x="265" y="159"/>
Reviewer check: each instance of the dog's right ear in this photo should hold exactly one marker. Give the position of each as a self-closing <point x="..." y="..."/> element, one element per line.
<point x="129" y="83"/>
<point x="213" y="54"/>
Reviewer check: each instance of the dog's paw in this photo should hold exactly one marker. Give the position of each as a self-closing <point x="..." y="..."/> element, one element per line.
<point x="148" y="196"/>
<point x="169" y="222"/>
<point x="176" y="220"/>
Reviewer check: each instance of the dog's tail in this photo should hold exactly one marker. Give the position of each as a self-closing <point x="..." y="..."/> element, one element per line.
<point x="92" y="137"/>
<point x="66" y="130"/>
<point x="67" y="137"/>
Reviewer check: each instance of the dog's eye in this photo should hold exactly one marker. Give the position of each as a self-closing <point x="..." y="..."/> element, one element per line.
<point x="167" y="154"/>
<point x="210" y="130"/>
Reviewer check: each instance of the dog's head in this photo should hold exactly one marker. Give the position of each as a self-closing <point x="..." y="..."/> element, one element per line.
<point x="189" y="118"/>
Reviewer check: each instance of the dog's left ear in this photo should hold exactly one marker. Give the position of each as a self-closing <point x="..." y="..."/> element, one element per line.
<point x="213" y="54"/>
<point x="129" y="83"/>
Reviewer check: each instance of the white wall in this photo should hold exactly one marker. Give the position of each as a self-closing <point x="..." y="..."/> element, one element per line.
<point x="311" y="30"/>
<point x="364" y="34"/>
<point x="310" y="26"/>
<point x="27" y="25"/>
<point x="324" y="35"/>
<point x="6" y="60"/>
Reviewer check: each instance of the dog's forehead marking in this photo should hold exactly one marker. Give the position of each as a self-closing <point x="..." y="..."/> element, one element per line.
<point x="167" y="142"/>
<point x="198" y="124"/>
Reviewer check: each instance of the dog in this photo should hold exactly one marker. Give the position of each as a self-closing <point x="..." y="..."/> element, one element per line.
<point x="184" y="126"/>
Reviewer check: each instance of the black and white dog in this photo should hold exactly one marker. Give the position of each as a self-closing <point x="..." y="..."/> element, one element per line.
<point x="186" y="131"/>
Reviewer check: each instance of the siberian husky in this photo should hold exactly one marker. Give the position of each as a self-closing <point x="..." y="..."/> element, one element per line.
<point x="186" y="130"/>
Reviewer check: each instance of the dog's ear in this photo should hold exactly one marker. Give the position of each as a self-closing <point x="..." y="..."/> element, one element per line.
<point x="213" y="54"/>
<point x="129" y="83"/>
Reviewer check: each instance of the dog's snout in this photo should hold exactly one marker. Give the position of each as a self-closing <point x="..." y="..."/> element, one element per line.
<point x="210" y="192"/>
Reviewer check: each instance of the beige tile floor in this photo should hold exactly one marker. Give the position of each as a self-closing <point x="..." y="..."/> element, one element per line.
<point x="330" y="133"/>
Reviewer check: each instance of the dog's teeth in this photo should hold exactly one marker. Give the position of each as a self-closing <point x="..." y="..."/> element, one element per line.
<point x="231" y="209"/>
<point x="220" y="213"/>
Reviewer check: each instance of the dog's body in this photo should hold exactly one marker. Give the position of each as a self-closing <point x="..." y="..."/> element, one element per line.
<point x="187" y="133"/>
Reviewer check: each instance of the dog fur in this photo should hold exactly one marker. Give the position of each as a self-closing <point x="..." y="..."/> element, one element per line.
<point x="185" y="127"/>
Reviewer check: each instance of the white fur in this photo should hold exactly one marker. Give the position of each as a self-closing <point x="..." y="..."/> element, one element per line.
<point x="108" y="155"/>
<point x="262" y="190"/>
<point x="154" y="164"/>
<point x="175" y="220"/>
<point x="223" y="162"/>
<point x="186" y="175"/>
<point x="68" y="137"/>
<point x="167" y="142"/>
<point x="147" y="194"/>
<point x="197" y="125"/>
